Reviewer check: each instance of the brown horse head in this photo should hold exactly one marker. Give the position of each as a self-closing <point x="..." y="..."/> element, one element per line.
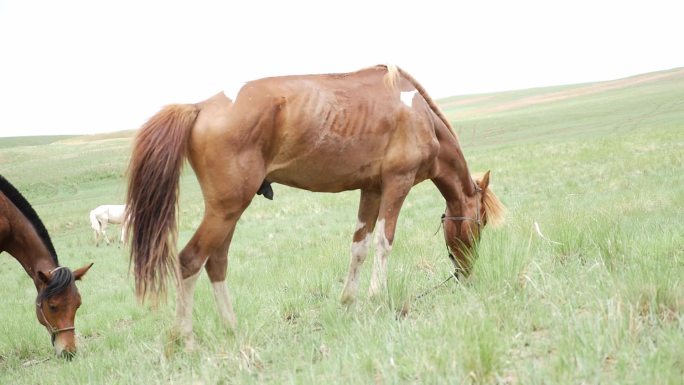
<point x="462" y="231"/>
<point x="56" y="305"/>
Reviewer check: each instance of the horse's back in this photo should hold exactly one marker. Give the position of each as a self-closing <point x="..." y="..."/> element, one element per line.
<point x="110" y="213"/>
<point x="320" y="132"/>
<point x="116" y="213"/>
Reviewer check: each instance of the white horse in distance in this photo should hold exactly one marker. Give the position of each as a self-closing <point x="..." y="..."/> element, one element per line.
<point x="107" y="214"/>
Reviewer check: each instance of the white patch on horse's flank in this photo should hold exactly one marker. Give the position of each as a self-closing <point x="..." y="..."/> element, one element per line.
<point x="407" y="97"/>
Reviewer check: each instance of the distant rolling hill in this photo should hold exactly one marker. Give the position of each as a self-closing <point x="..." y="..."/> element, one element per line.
<point x="582" y="110"/>
<point x="654" y="100"/>
<point x="18" y="141"/>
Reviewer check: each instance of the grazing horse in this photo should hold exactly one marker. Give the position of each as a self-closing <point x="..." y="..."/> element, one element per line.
<point x="24" y="236"/>
<point x="105" y="214"/>
<point x="376" y="130"/>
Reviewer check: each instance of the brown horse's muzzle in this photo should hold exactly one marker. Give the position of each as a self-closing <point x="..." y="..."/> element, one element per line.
<point x="65" y="344"/>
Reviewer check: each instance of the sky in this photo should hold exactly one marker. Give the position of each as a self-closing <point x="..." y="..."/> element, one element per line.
<point x="84" y="67"/>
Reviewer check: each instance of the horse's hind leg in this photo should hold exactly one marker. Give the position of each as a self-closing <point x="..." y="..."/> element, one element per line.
<point x="209" y="245"/>
<point x="368" y="213"/>
<point x="216" y="267"/>
<point x="207" y="239"/>
<point x="103" y="231"/>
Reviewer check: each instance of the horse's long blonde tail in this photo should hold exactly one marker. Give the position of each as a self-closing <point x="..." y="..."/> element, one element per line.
<point x="152" y="198"/>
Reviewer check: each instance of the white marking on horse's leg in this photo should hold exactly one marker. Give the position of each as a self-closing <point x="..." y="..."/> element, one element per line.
<point x="382" y="251"/>
<point x="359" y="251"/>
<point x="359" y="226"/>
<point x="407" y="97"/>
<point x="184" y="304"/>
<point x="224" y="303"/>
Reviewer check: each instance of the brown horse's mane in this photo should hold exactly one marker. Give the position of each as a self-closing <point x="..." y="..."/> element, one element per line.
<point x="25" y="208"/>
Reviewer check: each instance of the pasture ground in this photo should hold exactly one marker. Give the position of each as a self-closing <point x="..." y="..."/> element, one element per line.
<point x="601" y="301"/>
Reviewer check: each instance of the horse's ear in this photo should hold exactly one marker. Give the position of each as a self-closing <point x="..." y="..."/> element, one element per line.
<point x="44" y="277"/>
<point x="79" y="273"/>
<point x="484" y="183"/>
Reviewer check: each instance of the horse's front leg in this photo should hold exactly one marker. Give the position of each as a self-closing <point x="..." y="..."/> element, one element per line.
<point x="368" y="213"/>
<point x="394" y="192"/>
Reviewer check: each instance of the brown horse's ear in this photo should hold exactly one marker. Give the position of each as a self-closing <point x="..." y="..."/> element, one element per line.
<point x="79" y="273"/>
<point x="484" y="183"/>
<point x="44" y="277"/>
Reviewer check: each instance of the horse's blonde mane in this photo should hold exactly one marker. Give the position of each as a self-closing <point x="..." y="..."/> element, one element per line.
<point x="391" y="78"/>
<point x="495" y="211"/>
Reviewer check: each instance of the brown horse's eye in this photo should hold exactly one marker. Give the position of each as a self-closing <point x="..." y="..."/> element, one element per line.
<point x="52" y="307"/>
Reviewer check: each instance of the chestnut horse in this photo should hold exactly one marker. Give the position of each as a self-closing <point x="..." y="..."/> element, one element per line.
<point x="376" y="130"/>
<point x="23" y="235"/>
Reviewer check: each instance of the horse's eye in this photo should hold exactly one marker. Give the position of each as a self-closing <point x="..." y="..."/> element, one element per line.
<point x="52" y="307"/>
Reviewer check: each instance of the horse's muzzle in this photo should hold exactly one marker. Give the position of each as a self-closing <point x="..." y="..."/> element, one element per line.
<point x="68" y="355"/>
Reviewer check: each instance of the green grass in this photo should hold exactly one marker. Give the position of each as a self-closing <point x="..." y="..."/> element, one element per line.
<point x="601" y="174"/>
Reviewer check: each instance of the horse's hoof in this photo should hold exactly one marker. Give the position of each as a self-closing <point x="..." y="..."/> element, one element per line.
<point x="347" y="299"/>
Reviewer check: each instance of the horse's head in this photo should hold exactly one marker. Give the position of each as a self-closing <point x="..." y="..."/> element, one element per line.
<point x="56" y="305"/>
<point x="462" y="230"/>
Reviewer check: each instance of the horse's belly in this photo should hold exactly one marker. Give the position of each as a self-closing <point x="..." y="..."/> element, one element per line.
<point x="326" y="174"/>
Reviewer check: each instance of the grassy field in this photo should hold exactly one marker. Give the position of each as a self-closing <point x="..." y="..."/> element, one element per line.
<point x="599" y="167"/>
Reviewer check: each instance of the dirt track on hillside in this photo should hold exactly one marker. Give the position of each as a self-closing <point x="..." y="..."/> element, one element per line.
<point x="565" y="94"/>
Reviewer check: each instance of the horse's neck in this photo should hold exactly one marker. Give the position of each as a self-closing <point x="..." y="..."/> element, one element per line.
<point x="26" y="246"/>
<point x="452" y="175"/>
